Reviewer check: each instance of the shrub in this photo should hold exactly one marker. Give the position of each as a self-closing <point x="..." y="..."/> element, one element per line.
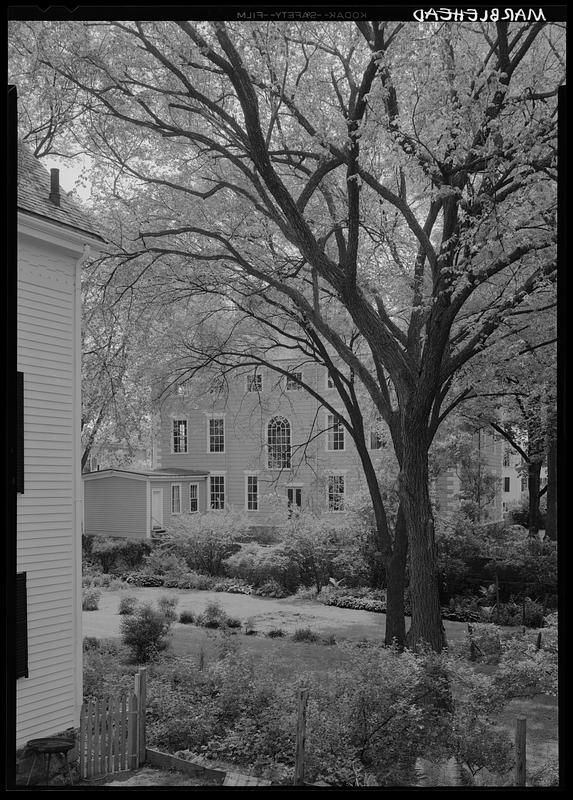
<point x="204" y="541"/>
<point x="330" y="639"/>
<point x="191" y="580"/>
<point x="145" y="633"/>
<point x="483" y="643"/>
<point x="186" y="617"/>
<point x="271" y="589"/>
<point x="141" y="579"/>
<point x="262" y="565"/>
<point x="212" y="617"/>
<point x="127" y="604"/>
<point x="233" y="622"/>
<point x="304" y="635"/>
<point x="90" y="643"/>
<point x="162" y="562"/>
<point x="232" y="585"/>
<point x="167" y="605"/>
<point x="104" y="670"/>
<point x="90" y="599"/>
<point x="275" y="633"/>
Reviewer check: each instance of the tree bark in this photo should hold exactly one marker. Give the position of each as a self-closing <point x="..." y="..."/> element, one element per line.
<point x="534" y="483"/>
<point x="395" y="585"/>
<point x="426" y="625"/>
<point x="551" y="514"/>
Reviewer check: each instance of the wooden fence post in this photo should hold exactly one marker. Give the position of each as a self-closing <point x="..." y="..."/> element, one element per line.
<point x="520" y="762"/>
<point x="141" y="694"/>
<point x="300" y="737"/>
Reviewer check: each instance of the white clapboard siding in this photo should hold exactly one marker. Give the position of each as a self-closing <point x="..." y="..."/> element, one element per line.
<point x="116" y="505"/>
<point x="47" y="520"/>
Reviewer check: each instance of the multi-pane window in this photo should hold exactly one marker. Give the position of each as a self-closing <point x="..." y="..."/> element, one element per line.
<point x="293" y="381"/>
<point x="217" y="435"/>
<point x="506" y="457"/>
<point x="179" y="436"/>
<point x="255" y="382"/>
<point x="335" y="489"/>
<point x="175" y="498"/>
<point x="193" y="498"/>
<point x="335" y="427"/>
<point x="506" y="484"/>
<point x="278" y="443"/>
<point x="524" y="483"/>
<point x="294" y="499"/>
<point x="252" y="493"/>
<point x="329" y="381"/>
<point x="217" y="492"/>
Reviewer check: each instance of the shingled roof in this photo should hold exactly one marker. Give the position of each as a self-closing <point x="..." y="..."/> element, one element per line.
<point x="34" y="185"/>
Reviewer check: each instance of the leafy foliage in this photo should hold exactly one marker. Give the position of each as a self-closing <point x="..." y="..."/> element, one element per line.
<point x="90" y="599"/>
<point x="145" y="632"/>
<point x="204" y="541"/>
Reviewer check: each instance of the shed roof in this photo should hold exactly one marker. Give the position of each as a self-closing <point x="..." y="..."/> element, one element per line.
<point x="34" y="184"/>
<point x="170" y="472"/>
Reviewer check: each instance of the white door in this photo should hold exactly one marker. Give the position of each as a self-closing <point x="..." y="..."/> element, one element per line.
<point x="156" y="508"/>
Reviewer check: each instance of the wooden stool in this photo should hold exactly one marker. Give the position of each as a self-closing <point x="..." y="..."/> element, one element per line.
<point x="53" y="745"/>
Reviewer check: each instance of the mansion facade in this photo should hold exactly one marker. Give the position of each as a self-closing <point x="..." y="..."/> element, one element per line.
<point x="265" y="442"/>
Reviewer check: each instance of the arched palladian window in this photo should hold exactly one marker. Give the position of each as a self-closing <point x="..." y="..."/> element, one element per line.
<point x="278" y="442"/>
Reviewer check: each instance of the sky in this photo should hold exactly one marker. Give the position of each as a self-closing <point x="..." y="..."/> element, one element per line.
<point x="70" y="175"/>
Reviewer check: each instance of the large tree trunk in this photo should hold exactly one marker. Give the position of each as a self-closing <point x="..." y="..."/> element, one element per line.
<point x="393" y="554"/>
<point x="395" y="585"/>
<point x="551" y="514"/>
<point x="426" y="623"/>
<point x="534" y="484"/>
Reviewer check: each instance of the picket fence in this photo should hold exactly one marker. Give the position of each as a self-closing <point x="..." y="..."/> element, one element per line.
<point x="112" y="732"/>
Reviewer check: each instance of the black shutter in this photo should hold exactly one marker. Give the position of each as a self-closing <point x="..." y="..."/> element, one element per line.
<point x="21" y="626"/>
<point x="20" y="432"/>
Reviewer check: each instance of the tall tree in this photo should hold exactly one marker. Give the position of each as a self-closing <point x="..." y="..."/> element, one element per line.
<point x="393" y="184"/>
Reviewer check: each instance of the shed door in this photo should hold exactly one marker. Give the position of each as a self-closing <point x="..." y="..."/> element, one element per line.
<point x="157" y="508"/>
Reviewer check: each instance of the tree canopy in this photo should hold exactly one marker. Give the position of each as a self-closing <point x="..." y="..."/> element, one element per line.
<point x="386" y="190"/>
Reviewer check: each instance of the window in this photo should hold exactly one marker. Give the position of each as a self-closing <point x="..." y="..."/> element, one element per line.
<point x="21" y="626"/>
<point x="193" y="498"/>
<point x="335" y="427"/>
<point x="175" y="498"/>
<point x="524" y="483"/>
<point x="254" y="383"/>
<point x="252" y="489"/>
<point x="376" y="440"/>
<point x="329" y="381"/>
<point x="294" y="499"/>
<point x="20" y="432"/>
<point x="506" y="484"/>
<point x="278" y="442"/>
<point x="217" y="435"/>
<point x="179" y="436"/>
<point x="292" y="383"/>
<point x="506" y="457"/>
<point x="335" y="488"/>
<point x="217" y="492"/>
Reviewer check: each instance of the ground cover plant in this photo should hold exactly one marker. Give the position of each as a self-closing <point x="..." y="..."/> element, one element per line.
<point x="368" y="722"/>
